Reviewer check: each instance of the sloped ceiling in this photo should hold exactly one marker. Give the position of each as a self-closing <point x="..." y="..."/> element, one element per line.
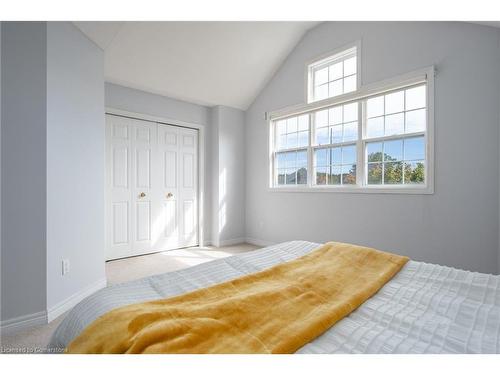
<point x="209" y="63"/>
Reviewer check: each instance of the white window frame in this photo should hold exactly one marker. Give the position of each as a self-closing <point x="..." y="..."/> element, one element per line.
<point x="420" y="76"/>
<point x="328" y="59"/>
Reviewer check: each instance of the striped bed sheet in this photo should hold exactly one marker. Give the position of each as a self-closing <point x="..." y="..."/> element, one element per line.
<point x="425" y="308"/>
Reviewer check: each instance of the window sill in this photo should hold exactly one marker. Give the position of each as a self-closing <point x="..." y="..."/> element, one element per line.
<point x="423" y="190"/>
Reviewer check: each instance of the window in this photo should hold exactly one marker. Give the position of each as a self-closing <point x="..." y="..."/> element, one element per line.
<point x="292" y="141"/>
<point x="333" y="76"/>
<point x="375" y="139"/>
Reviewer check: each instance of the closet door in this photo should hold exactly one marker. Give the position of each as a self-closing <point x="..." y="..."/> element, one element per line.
<point x="151" y="187"/>
<point x="178" y="159"/>
<point x="188" y="181"/>
<point x="131" y="194"/>
<point x="144" y="187"/>
<point x="118" y="187"/>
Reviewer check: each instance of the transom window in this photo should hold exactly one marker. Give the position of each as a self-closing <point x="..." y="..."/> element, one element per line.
<point x="375" y="139"/>
<point x="333" y="76"/>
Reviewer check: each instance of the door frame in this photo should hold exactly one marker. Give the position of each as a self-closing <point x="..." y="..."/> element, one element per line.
<point x="201" y="157"/>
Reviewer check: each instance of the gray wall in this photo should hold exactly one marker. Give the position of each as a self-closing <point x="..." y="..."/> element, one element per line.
<point x="75" y="161"/>
<point x="128" y="99"/>
<point x="458" y="225"/>
<point x="228" y="184"/>
<point x="24" y="120"/>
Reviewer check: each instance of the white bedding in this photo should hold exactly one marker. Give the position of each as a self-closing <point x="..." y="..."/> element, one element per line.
<point x="425" y="308"/>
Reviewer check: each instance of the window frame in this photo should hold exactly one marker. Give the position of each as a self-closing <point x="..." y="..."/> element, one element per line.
<point x="328" y="59"/>
<point x="414" y="78"/>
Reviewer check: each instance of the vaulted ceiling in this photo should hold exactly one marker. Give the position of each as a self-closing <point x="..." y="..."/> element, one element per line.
<point x="209" y="63"/>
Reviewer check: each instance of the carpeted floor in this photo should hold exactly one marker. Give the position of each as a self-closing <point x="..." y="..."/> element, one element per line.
<point x="122" y="270"/>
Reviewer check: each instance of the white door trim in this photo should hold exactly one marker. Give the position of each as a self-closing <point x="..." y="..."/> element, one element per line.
<point x="201" y="156"/>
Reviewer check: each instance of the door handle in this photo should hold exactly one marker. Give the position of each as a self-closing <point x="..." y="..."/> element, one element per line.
<point x="142" y="195"/>
<point x="169" y="195"/>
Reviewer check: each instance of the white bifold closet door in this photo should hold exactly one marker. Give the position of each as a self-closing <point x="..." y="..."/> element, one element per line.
<point x="152" y="187"/>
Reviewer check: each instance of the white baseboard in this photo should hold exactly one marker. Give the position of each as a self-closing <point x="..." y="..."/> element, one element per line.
<point x="256" y="241"/>
<point x="65" y="305"/>
<point x="23" y="322"/>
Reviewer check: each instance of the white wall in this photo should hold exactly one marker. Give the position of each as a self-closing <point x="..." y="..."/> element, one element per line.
<point x="228" y="171"/>
<point x="52" y="169"/>
<point x="456" y="226"/>
<point x="132" y="100"/>
<point x="23" y="124"/>
<point x="75" y="163"/>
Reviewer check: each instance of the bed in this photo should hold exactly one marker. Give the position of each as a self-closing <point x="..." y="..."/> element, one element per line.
<point x="425" y="308"/>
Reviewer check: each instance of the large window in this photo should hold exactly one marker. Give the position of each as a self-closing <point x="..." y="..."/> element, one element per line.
<point x="376" y="139"/>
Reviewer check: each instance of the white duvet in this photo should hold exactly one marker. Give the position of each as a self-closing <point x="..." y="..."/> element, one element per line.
<point x="425" y="308"/>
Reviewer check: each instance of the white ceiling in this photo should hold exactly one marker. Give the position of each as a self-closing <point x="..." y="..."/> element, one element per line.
<point x="209" y="63"/>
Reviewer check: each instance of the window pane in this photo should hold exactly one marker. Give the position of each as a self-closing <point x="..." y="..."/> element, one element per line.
<point x="350" y="84"/>
<point x="393" y="150"/>
<point x="336" y="71"/>
<point x="281" y="142"/>
<point x="321" y="175"/>
<point x="302" y="176"/>
<point x="414" y="172"/>
<point x="280" y="127"/>
<point x="350" y="66"/>
<point x="291" y="125"/>
<point x="393" y="173"/>
<point x="291" y="159"/>
<point x="374" y="174"/>
<point x="375" y="107"/>
<point x="336" y="155"/>
<point x="394" y="102"/>
<point x="281" y="176"/>
<point x="322" y="157"/>
<point x="301" y="159"/>
<point x="415" y="98"/>
<point x="281" y="160"/>
<point x="291" y="140"/>
<point x="349" y="155"/>
<point x="321" y="76"/>
<point x="350" y="131"/>
<point x="394" y="124"/>
<point x="304" y="122"/>
<point x="349" y="175"/>
<point x="375" y="127"/>
<point x="291" y="175"/>
<point x="335" y="176"/>
<point x="415" y="121"/>
<point x="303" y="138"/>
<point x="321" y="118"/>
<point x="321" y="92"/>
<point x="322" y="136"/>
<point x="374" y="151"/>
<point x="335" y="88"/>
<point x="414" y="148"/>
<point x="336" y="116"/>
<point x="350" y="112"/>
<point x="336" y="133"/>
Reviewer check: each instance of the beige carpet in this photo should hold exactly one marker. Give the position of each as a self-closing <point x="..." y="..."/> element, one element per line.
<point x="119" y="271"/>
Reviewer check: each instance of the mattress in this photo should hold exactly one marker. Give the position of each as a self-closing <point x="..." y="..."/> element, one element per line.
<point x="425" y="308"/>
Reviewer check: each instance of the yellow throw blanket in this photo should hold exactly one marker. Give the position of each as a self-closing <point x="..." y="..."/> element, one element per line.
<point x="277" y="310"/>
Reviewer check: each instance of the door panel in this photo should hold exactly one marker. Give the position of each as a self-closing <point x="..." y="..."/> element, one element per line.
<point x="120" y="223"/>
<point x="170" y="169"/>
<point x="188" y="170"/>
<point x="120" y="167"/>
<point x="152" y="187"/>
<point x="143" y="222"/>
<point x="143" y="165"/>
<point x="170" y="217"/>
